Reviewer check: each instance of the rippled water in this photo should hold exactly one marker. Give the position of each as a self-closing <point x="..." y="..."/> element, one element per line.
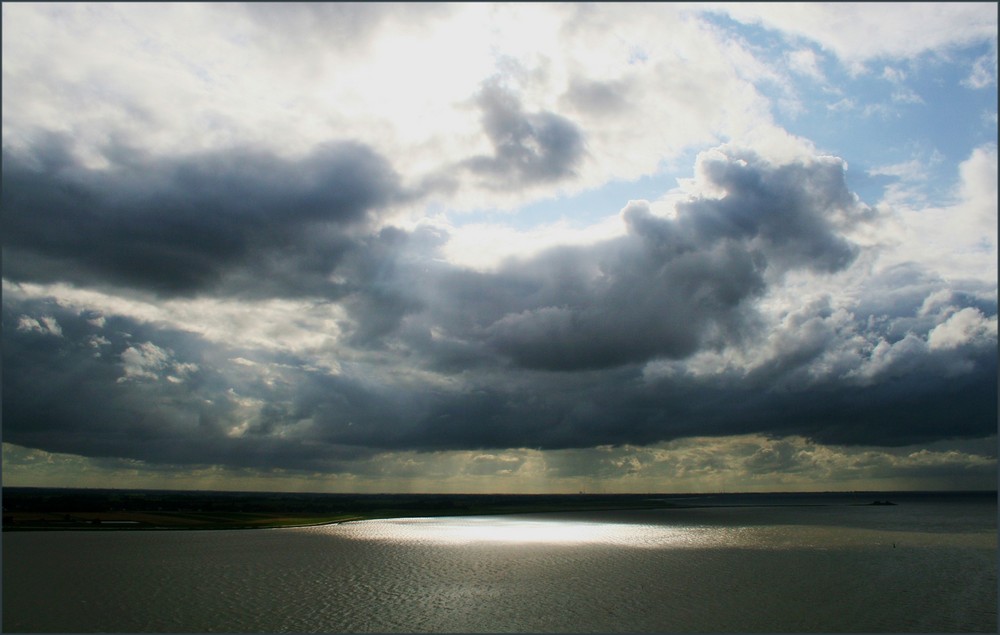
<point x="834" y="568"/>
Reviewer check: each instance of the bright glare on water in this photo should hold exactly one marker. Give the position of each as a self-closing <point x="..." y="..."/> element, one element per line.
<point x="516" y="530"/>
<point x="654" y="533"/>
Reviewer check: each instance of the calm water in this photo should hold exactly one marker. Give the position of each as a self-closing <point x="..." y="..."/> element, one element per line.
<point x="927" y="564"/>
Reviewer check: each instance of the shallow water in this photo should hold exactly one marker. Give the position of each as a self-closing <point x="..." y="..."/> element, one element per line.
<point x="914" y="567"/>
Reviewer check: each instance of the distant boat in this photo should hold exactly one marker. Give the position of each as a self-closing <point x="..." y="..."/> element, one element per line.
<point x="882" y="503"/>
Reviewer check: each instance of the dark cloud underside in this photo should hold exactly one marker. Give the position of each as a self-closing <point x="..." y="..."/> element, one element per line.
<point x="549" y="351"/>
<point x="208" y="222"/>
<point x="670" y="287"/>
<point x="76" y="392"/>
<point x="528" y="147"/>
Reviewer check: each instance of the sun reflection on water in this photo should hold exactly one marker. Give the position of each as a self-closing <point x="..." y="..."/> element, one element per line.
<point x="513" y="530"/>
<point x="525" y="530"/>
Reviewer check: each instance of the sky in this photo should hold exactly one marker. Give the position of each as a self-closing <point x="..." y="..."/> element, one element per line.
<point x="476" y="247"/>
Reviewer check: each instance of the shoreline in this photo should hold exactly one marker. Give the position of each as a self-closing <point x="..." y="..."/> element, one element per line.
<point x="188" y="521"/>
<point x="55" y="509"/>
<point x="62" y="509"/>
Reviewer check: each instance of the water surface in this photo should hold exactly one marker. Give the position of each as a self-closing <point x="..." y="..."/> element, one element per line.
<point x="918" y="567"/>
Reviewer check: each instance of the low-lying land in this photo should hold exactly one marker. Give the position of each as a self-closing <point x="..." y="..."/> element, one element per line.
<point x="52" y="509"/>
<point x="32" y="508"/>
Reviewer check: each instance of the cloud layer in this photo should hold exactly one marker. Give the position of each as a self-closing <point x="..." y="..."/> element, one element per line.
<point x="188" y="224"/>
<point x="655" y="335"/>
<point x="260" y="269"/>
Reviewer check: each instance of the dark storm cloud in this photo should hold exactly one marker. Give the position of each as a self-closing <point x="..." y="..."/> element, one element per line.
<point x="783" y="212"/>
<point x="109" y="386"/>
<point x="638" y="305"/>
<point x="671" y="286"/>
<point x="528" y="147"/>
<point x="675" y="286"/>
<point x="553" y="411"/>
<point x="236" y="219"/>
<point x="63" y="393"/>
<point x="576" y="410"/>
<point x="545" y="352"/>
<point x="380" y="295"/>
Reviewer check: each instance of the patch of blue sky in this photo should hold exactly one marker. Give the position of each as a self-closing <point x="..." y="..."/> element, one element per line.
<point x="914" y="113"/>
<point x="920" y="111"/>
<point x="591" y="206"/>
